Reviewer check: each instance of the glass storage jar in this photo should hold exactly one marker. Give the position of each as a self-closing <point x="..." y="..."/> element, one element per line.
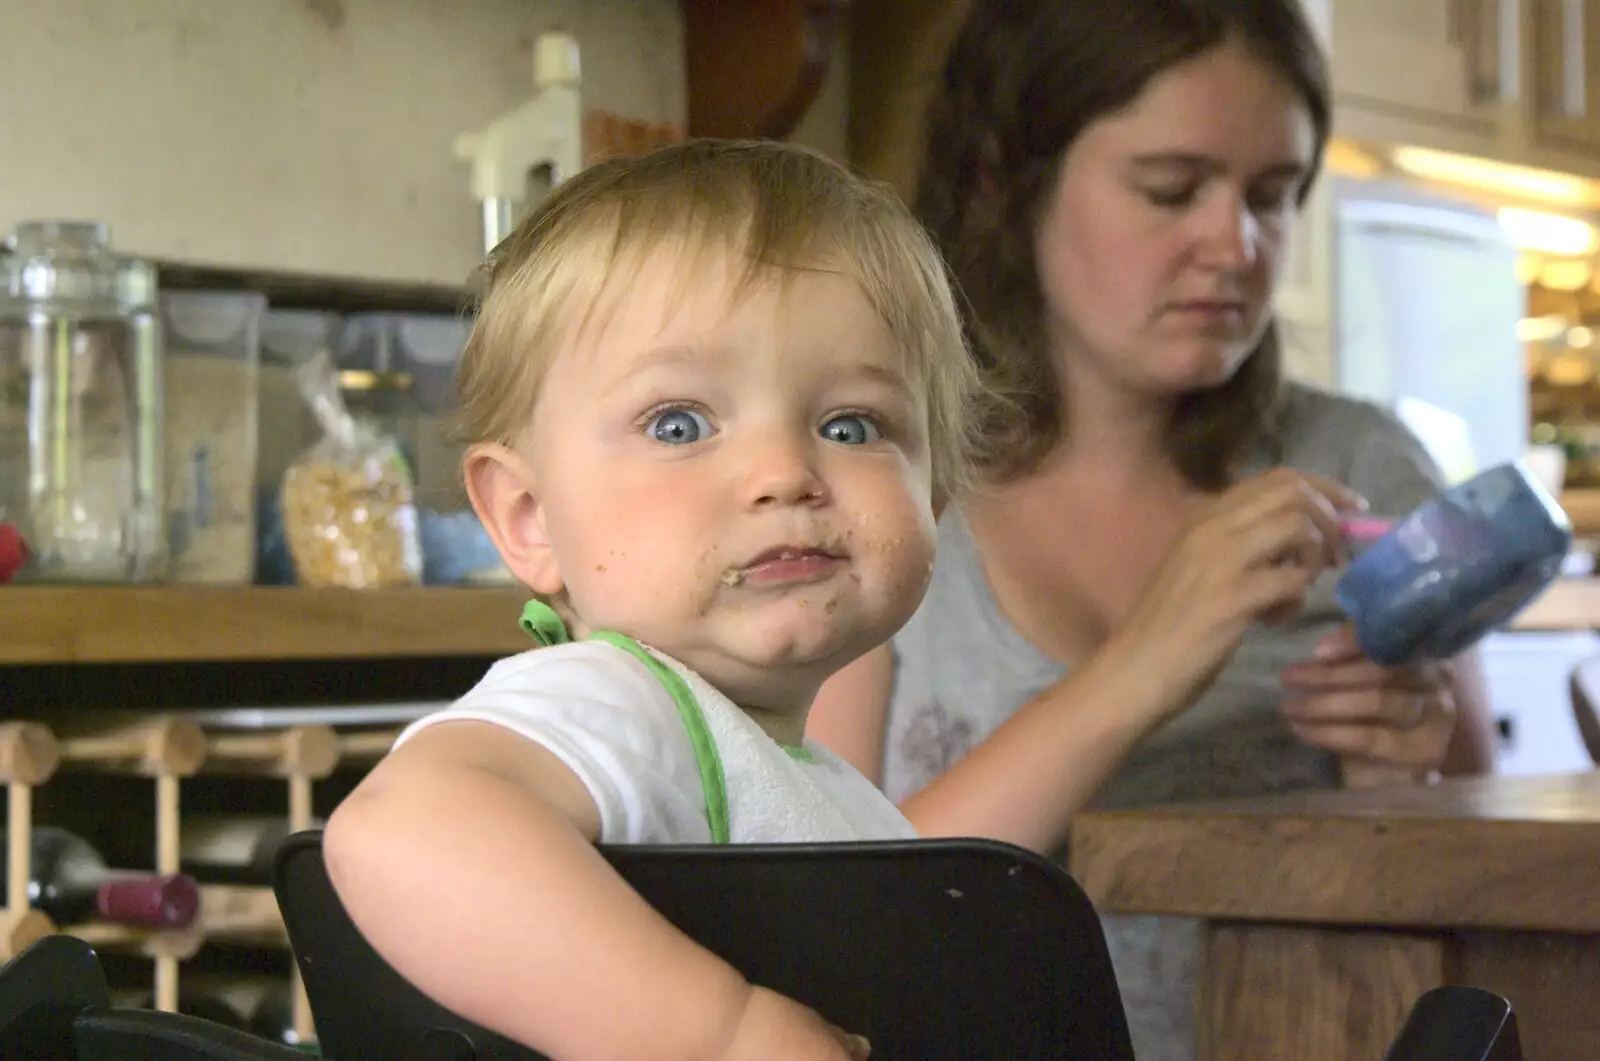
<point x="80" y="405"/>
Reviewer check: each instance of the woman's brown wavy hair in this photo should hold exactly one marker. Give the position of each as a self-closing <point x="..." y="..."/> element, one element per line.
<point x="1023" y="79"/>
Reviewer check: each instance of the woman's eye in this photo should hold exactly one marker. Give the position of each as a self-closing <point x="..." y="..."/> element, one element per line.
<point x="679" y="427"/>
<point x="851" y="430"/>
<point x="1170" y="198"/>
<point x="1276" y="201"/>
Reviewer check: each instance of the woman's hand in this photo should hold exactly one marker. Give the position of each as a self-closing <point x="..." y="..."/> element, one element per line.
<point x="1251" y="556"/>
<point x="1388" y="724"/>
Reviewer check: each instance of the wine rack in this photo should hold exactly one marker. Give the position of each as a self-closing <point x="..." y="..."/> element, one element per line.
<point x="28" y="758"/>
<point x="168" y="749"/>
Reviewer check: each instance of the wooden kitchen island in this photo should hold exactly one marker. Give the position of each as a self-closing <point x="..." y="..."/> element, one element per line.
<point x="1326" y="914"/>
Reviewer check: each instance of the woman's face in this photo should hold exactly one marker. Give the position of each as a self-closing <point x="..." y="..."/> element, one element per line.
<point x="1161" y="245"/>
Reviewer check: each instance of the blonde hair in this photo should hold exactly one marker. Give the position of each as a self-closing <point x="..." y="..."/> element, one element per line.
<point x="771" y="206"/>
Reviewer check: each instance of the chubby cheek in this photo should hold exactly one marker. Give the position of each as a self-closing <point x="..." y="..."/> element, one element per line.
<point x="894" y="546"/>
<point x="625" y="548"/>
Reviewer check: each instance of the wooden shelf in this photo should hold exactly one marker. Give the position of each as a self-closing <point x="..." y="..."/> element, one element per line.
<point x="341" y="294"/>
<point x="49" y="624"/>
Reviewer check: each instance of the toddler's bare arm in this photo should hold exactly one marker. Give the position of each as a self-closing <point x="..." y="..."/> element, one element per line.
<point x="467" y="859"/>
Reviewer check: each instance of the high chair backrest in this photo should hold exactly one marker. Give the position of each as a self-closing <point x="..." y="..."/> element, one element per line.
<point x="55" y="1006"/>
<point x="1458" y="1024"/>
<point x="41" y="991"/>
<point x="957" y="948"/>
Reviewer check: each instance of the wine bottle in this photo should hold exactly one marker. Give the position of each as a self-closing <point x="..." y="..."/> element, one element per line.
<point x="232" y="849"/>
<point x="71" y="883"/>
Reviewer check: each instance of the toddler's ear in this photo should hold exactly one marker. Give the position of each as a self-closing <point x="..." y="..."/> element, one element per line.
<point x="505" y="497"/>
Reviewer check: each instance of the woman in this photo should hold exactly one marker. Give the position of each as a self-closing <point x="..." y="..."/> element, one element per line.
<point x="1135" y="607"/>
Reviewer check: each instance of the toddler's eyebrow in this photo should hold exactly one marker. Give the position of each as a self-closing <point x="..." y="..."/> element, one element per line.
<point x="659" y="357"/>
<point x="875" y="373"/>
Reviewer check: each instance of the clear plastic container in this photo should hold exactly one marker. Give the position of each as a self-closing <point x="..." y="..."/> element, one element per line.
<point x="289" y="338"/>
<point x="80" y="401"/>
<point x="455" y="547"/>
<point x="398" y="370"/>
<point x="212" y="367"/>
<point x="373" y="381"/>
<point x="429" y="348"/>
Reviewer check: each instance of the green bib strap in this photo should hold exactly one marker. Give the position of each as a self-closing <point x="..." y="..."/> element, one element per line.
<point x="545" y="626"/>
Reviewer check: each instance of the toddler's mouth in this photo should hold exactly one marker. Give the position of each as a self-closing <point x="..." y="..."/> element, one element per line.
<point x="786" y="565"/>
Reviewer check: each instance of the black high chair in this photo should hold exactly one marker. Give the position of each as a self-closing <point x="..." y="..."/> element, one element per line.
<point x="55" y="1006"/>
<point x="966" y="950"/>
<point x="54" y="1001"/>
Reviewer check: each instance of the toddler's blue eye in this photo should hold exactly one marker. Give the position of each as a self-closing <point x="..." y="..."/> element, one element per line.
<point x="679" y="427"/>
<point x="850" y="430"/>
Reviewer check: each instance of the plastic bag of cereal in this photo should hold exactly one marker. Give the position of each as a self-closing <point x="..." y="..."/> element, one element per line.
<point x="349" y="515"/>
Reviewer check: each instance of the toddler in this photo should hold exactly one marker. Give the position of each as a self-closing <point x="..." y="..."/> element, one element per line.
<point x="711" y="395"/>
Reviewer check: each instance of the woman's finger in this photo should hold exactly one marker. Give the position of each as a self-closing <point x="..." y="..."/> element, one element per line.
<point x="1325" y="516"/>
<point x="1400" y="709"/>
<point x="1341" y="644"/>
<point x="1277" y="538"/>
<point x="1340" y="496"/>
<point x="1316" y="677"/>
<point x="1418" y="748"/>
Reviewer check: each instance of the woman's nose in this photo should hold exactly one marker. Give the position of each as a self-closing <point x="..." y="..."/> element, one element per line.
<point x="1231" y="236"/>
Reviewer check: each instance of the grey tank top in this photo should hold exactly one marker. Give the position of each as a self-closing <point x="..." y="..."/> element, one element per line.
<point x="961" y="669"/>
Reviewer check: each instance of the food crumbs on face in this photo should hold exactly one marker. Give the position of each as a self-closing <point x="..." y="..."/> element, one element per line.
<point x="732" y="578"/>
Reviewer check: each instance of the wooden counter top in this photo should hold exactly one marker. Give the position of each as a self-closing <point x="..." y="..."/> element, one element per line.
<point x="52" y="624"/>
<point x="1520" y="853"/>
<point x="1569" y="604"/>
<point x="1325" y="915"/>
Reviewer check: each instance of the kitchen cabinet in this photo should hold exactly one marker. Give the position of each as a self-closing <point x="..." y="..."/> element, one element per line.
<point x="755" y="68"/>
<point x="1516" y="81"/>
<point x="1439" y="72"/>
<point x="1566" y="74"/>
<point x="897" y="54"/>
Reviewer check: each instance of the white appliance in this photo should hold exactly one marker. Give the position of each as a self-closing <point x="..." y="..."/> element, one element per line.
<point x="1425" y="304"/>
<point x="1528" y="675"/>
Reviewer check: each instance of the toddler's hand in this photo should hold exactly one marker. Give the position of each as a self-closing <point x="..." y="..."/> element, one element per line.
<point x="776" y="1028"/>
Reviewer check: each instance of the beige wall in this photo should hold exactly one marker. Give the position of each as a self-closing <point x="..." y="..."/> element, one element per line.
<point x="312" y="135"/>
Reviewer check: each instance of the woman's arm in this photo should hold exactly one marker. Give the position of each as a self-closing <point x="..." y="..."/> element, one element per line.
<point x="1022" y="785"/>
<point x="851" y="712"/>
<point x="1472" y="745"/>
<point x="1255" y="554"/>
<point x="466" y="858"/>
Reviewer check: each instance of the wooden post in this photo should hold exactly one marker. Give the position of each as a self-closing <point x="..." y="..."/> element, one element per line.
<point x="165" y="749"/>
<point x="28" y="758"/>
<point x="364" y="747"/>
<point x="299" y="755"/>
